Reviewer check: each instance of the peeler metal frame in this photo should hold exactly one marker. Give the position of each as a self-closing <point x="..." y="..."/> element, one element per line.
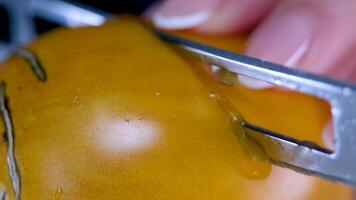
<point x="338" y="165"/>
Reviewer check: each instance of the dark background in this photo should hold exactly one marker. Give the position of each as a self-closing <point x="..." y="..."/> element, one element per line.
<point x="117" y="6"/>
<point x="112" y="6"/>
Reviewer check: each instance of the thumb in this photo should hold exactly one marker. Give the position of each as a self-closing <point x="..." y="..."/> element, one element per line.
<point x="317" y="36"/>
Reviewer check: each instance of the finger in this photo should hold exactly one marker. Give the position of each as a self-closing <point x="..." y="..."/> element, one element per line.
<point x="236" y="15"/>
<point x="211" y="16"/>
<point x="317" y="36"/>
<point x="177" y="14"/>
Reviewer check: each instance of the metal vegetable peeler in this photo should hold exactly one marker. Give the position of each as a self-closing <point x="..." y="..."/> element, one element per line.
<point x="338" y="165"/>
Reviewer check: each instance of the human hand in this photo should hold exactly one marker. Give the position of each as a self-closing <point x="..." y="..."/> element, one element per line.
<point x="317" y="36"/>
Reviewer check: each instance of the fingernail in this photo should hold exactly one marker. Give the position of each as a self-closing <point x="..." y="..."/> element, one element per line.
<point x="176" y="14"/>
<point x="284" y="38"/>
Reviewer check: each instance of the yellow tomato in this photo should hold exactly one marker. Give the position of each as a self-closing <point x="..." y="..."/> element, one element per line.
<point x="122" y="116"/>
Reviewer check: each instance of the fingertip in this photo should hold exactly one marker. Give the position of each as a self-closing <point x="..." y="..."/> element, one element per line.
<point x="180" y="22"/>
<point x="176" y="14"/>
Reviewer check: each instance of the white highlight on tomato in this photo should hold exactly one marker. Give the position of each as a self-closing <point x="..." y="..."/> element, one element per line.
<point x="125" y="134"/>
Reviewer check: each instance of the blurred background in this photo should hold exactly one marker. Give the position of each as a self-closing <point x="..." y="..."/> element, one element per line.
<point x="22" y="20"/>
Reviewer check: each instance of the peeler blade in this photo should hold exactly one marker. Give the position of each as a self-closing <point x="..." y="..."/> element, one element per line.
<point x="306" y="157"/>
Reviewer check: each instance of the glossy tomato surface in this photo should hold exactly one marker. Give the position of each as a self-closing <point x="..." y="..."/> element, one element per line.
<point x="123" y="116"/>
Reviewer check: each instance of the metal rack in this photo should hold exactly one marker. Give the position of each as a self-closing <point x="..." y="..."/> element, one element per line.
<point x="22" y="13"/>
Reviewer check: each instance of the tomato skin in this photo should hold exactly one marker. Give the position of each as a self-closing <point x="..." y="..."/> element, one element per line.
<point x="121" y="116"/>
